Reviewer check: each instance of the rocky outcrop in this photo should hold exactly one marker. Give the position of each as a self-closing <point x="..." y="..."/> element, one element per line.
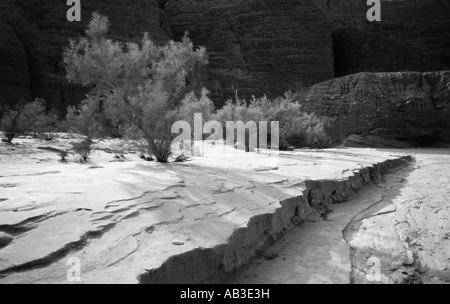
<point x="408" y="106"/>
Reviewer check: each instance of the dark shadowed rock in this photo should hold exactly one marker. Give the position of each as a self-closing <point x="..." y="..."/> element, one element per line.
<point x="34" y="34"/>
<point x="5" y="240"/>
<point x="408" y="106"/>
<point x="14" y="76"/>
<point x="413" y="35"/>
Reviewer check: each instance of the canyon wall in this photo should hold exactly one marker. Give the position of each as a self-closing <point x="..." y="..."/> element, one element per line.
<point x="413" y="35"/>
<point x="255" y="46"/>
<point x="258" y="46"/>
<point x="271" y="46"/>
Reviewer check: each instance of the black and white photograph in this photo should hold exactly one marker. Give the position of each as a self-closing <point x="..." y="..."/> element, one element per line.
<point x="226" y="148"/>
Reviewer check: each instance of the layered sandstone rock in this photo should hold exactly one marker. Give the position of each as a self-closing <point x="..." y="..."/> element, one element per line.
<point x="405" y="105"/>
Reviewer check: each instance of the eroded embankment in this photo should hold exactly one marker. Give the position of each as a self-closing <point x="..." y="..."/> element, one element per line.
<point x="214" y="264"/>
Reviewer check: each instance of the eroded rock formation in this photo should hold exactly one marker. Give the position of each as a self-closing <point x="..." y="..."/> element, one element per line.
<point x="405" y="105"/>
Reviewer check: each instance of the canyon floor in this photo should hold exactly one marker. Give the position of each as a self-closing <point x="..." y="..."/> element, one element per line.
<point x="130" y="221"/>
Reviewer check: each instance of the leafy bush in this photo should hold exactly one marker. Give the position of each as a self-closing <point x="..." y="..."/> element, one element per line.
<point x="38" y="120"/>
<point x="191" y="105"/>
<point x="85" y="119"/>
<point x="83" y="149"/>
<point x="307" y="130"/>
<point x="142" y="83"/>
<point x="12" y="123"/>
<point x="28" y="117"/>
<point x="297" y="128"/>
<point x="114" y="125"/>
<point x="95" y="118"/>
<point x="63" y="155"/>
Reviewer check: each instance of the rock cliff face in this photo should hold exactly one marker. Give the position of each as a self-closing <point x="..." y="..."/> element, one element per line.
<point x="256" y="46"/>
<point x="405" y="105"/>
<point x="34" y="34"/>
<point x="270" y="46"/>
<point x="413" y="35"/>
<point x="14" y="76"/>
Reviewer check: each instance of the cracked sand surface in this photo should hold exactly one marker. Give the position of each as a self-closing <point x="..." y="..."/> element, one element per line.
<point x="122" y="219"/>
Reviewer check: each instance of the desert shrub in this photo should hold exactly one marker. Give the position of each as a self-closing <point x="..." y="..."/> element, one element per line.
<point x="38" y="120"/>
<point x="240" y="110"/>
<point x="144" y="83"/>
<point x="85" y="119"/>
<point x="83" y="148"/>
<point x="306" y="130"/>
<point x="34" y="113"/>
<point x="95" y="117"/>
<point x="63" y="155"/>
<point x="114" y="125"/>
<point x="28" y="117"/>
<point x="297" y="128"/>
<point x="191" y="105"/>
<point x="162" y="149"/>
<point x="12" y="123"/>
